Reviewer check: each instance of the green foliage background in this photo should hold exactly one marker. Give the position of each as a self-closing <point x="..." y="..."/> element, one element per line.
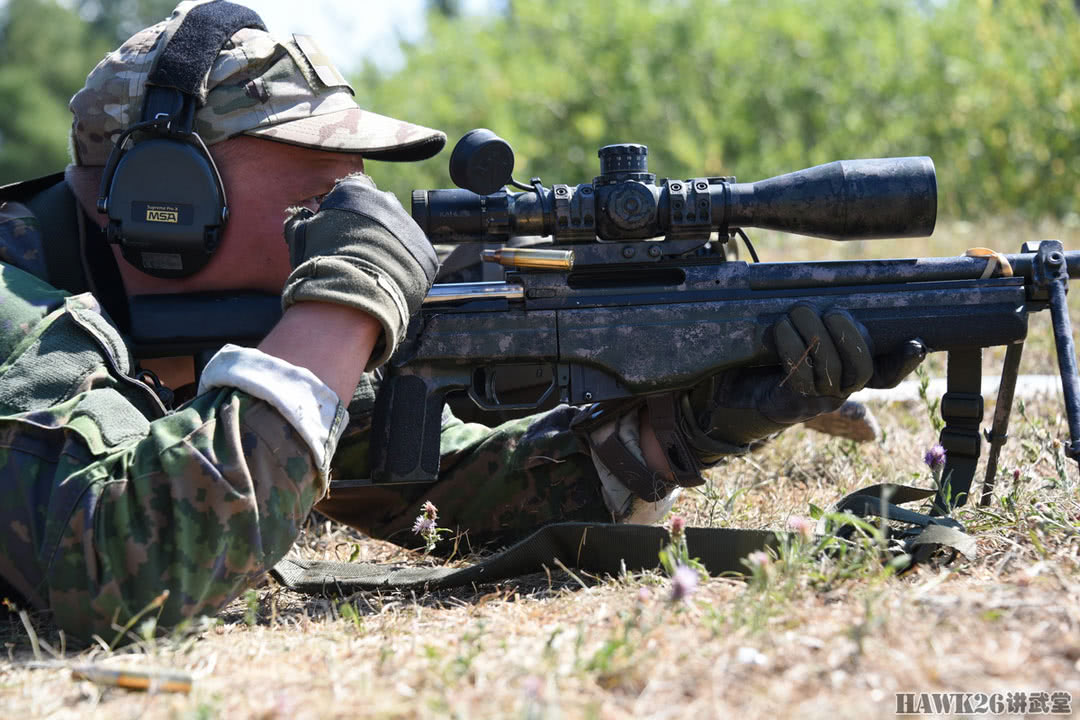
<point x="989" y="89"/>
<point x="46" y="51"/>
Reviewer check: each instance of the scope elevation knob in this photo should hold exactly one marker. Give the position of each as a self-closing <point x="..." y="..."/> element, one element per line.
<point x="623" y="158"/>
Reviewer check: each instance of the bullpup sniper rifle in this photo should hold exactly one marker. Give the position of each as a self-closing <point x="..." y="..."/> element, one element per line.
<point x="632" y="297"/>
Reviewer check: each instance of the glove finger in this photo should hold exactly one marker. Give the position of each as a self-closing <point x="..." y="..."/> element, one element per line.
<point x="890" y="369"/>
<point x="854" y="350"/>
<point x="797" y="375"/>
<point x="824" y="358"/>
<point x="296" y="234"/>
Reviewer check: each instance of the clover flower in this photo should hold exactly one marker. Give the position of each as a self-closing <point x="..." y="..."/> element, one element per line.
<point x="935" y="460"/>
<point x="678" y="525"/>
<point x="759" y="559"/>
<point x="935" y="457"/>
<point x="683" y="583"/>
<point x="804" y="526"/>
<point x="425" y="526"/>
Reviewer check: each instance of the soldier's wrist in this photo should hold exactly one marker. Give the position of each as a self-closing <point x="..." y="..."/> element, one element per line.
<point x="332" y="341"/>
<point x="653" y="454"/>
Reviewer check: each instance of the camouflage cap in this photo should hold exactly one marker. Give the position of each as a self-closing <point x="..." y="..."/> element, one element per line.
<point x="282" y="90"/>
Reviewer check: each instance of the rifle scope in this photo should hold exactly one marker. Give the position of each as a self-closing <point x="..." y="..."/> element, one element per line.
<point x="842" y="200"/>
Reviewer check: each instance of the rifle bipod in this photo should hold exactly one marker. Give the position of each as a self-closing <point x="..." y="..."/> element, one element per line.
<point x="962" y="406"/>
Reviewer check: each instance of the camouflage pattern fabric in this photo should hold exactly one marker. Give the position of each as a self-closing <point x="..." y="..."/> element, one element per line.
<point x="496" y="484"/>
<point x="20" y="239"/>
<point x="106" y="499"/>
<point x="279" y="89"/>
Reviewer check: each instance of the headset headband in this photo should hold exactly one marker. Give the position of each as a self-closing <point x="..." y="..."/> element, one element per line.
<point x="186" y="59"/>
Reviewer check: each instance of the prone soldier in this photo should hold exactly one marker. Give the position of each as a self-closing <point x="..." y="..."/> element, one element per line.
<point x="122" y="479"/>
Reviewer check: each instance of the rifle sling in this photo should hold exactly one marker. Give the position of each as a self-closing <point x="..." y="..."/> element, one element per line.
<point x="592" y="548"/>
<point x="604" y="549"/>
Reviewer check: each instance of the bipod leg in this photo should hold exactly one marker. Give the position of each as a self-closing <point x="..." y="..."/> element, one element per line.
<point x="1051" y="262"/>
<point x="962" y="411"/>
<point x="999" y="433"/>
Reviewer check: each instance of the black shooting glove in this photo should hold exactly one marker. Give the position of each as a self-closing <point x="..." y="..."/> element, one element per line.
<point x="364" y="251"/>
<point x="824" y="358"/>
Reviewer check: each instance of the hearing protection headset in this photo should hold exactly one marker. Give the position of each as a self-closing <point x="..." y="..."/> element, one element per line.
<point x="160" y="189"/>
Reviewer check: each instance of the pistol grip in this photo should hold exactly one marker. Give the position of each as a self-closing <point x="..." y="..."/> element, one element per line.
<point x="405" y="430"/>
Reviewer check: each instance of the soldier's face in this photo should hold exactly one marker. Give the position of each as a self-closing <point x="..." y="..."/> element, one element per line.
<point x="263" y="179"/>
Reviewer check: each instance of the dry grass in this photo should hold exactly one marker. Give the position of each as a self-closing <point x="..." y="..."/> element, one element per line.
<point x="815" y="639"/>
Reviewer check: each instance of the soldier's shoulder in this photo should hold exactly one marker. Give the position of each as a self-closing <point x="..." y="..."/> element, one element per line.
<point x="21" y="241"/>
<point x="25" y="302"/>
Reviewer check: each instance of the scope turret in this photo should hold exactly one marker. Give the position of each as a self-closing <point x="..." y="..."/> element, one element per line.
<point x="627" y="161"/>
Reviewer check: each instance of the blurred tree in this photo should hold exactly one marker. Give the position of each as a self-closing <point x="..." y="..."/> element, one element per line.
<point x="120" y="19"/>
<point x="46" y="51"/>
<point x="452" y="8"/>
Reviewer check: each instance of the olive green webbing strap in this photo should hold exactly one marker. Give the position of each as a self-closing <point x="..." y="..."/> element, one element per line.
<point x="57" y="210"/>
<point x="604" y="549"/>
<point x="598" y="549"/>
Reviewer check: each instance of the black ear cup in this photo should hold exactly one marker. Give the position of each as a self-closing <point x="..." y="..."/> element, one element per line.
<point x="166" y="206"/>
<point x="162" y="193"/>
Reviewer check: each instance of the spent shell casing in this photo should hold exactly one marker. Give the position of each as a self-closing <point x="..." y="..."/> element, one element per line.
<point x="151" y="680"/>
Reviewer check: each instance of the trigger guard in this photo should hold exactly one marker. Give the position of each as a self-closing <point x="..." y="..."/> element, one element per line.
<point x="493" y="403"/>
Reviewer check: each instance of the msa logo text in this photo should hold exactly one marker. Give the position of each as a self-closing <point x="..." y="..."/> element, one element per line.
<point x="162" y="215"/>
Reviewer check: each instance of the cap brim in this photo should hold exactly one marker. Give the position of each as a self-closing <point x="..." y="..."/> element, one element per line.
<point x="358" y="131"/>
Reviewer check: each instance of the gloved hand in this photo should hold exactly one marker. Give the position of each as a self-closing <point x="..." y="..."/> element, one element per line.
<point x="824" y="358"/>
<point x="361" y="249"/>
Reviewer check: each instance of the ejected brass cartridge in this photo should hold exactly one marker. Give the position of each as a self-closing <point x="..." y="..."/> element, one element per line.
<point x="531" y="258"/>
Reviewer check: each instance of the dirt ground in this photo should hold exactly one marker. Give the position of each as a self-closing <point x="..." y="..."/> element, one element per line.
<point x="806" y="636"/>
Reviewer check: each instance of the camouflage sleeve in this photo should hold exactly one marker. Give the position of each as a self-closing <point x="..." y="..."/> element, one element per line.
<point x="201" y="506"/>
<point x="106" y="501"/>
<point x="20" y="239"/>
<point x="496" y="484"/>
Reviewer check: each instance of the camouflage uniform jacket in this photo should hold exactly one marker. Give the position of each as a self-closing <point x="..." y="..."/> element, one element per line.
<point x="109" y="498"/>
